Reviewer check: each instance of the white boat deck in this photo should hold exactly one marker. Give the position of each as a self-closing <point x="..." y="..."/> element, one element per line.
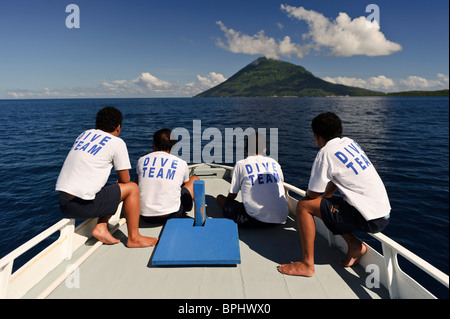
<point x="120" y="272"/>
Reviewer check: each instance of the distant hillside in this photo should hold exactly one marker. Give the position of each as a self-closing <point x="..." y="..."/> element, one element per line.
<point x="268" y="77"/>
<point x="420" y="93"/>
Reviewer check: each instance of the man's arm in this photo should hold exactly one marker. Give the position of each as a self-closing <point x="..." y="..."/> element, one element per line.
<point x="311" y="195"/>
<point x="124" y="176"/>
<point x="329" y="191"/>
<point x="231" y="196"/>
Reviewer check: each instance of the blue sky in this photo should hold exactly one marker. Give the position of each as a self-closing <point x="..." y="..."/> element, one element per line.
<point x="149" y="48"/>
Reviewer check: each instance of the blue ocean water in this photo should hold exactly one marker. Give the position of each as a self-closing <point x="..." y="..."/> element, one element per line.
<point x="406" y="138"/>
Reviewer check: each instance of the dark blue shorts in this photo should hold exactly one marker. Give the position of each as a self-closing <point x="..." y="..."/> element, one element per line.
<point x="236" y="211"/>
<point x="347" y="219"/>
<point x="185" y="206"/>
<point x="105" y="203"/>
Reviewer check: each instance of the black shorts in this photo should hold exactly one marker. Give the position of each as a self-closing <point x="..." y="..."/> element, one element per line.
<point x="347" y="219"/>
<point x="236" y="211"/>
<point x="105" y="203"/>
<point x="185" y="206"/>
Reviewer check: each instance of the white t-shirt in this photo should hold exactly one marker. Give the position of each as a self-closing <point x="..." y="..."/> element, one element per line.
<point x="343" y="162"/>
<point x="88" y="165"/>
<point x="161" y="176"/>
<point x="261" y="180"/>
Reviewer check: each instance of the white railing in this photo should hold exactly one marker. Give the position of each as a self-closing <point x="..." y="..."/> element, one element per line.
<point x="17" y="284"/>
<point x="399" y="284"/>
<point x="32" y="272"/>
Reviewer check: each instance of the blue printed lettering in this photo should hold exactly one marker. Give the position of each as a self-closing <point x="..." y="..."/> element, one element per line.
<point x="260" y="179"/>
<point x="353" y="147"/>
<point x="357" y="160"/>
<point x="104" y="140"/>
<point x="257" y="167"/>
<point x="86" y="135"/>
<point x="249" y="169"/>
<point x="269" y="179"/>
<point x="349" y="152"/>
<point x="78" y="146"/>
<point x="357" y="145"/>
<point x="266" y="166"/>
<point x="350" y="165"/>
<point x="81" y="135"/>
<point x="344" y="159"/>
<point x="251" y="178"/>
<point x="274" y="167"/>
<point x="94" y="149"/>
<point x="170" y="174"/>
<point x="95" y="137"/>
<point x="341" y="157"/>
<point x="366" y="160"/>
<point x="277" y="177"/>
<point x="161" y="173"/>
<point x="78" y="139"/>
<point x="85" y="146"/>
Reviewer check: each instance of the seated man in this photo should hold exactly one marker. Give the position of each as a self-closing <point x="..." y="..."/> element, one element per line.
<point x="340" y="164"/>
<point x="261" y="180"/>
<point x="166" y="191"/>
<point x="82" y="180"/>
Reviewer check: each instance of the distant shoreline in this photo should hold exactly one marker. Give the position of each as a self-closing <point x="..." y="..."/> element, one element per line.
<point x="392" y="94"/>
<point x="420" y="93"/>
<point x="437" y="93"/>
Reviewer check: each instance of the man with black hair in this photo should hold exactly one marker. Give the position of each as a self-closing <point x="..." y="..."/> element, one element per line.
<point x="260" y="179"/>
<point x="166" y="190"/>
<point x="364" y="205"/>
<point x="86" y="170"/>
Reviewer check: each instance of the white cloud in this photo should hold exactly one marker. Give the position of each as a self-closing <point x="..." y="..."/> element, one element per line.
<point x="347" y="81"/>
<point x="421" y="83"/>
<point x="16" y="95"/>
<point x="444" y="79"/>
<point x="115" y="87"/>
<point x="238" y="42"/>
<point x="146" y="85"/>
<point x="416" y="82"/>
<point x="343" y="37"/>
<point x="25" y="93"/>
<point x="149" y="85"/>
<point x="148" y="81"/>
<point x="212" y="79"/>
<point x="380" y="82"/>
<point x="385" y="84"/>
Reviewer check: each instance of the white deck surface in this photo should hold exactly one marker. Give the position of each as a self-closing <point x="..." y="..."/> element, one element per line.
<point x="119" y="272"/>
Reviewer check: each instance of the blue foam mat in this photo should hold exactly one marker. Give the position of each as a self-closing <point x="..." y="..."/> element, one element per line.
<point x="182" y="243"/>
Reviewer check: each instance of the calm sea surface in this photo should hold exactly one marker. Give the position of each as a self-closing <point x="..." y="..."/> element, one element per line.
<point x="407" y="139"/>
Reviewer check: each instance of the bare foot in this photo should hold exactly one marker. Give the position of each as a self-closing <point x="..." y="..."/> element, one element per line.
<point x="141" y="241"/>
<point x="102" y="233"/>
<point x="354" y="254"/>
<point x="298" y="268"/>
